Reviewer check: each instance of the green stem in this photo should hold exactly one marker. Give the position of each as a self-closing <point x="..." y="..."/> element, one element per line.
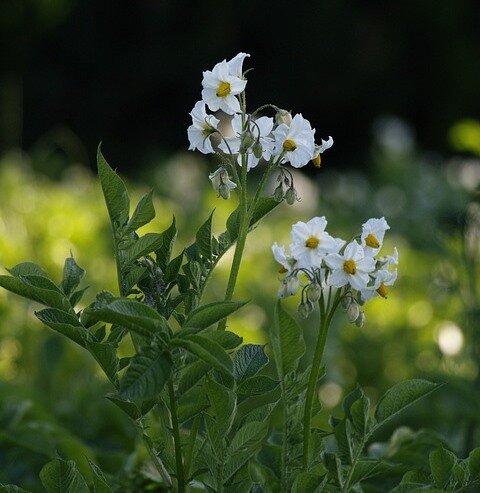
<point x="156" y="460"/>
<point x="325" y="321"/>
<point x="283" y="471"/>
<point x="176" y="438"/>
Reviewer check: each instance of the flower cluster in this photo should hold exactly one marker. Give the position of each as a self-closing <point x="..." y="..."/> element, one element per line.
<point x="318" y="262"/>
<point x="277" y="141"/>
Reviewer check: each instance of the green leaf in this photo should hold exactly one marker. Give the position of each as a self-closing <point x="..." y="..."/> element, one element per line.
<point x="106" y="356"/>
<point x="65" y="324"/>
<point x="114" y="191"/>
<point x="442" y="462"/>
<point x="77" y="296"/>
<point x="72" y="275"/>
<point x="207" y="350"/>
<point x="257" y="385"/>
<point x="334" y="468"/>
<point x="129" y="408"/>
<point x="143" y="213"/>
<point x="59" y="476"/>
<point x="133" y="315"/>
<point x="287" y="342"/>
<point x="100" y="484"/>
<point x="249" y="437"/>
<point x="223" y="403"/>
<point x="146" y="375"/>
<point x="308" y="482"/>
<point x="357" y="407"/>
<point x="366" y="468"/>
<point x="191" y="374"/>
<point x="401" y="396"/>
<point x="342" y="430"/>
<point x="474" y="464"/>
<point x="206" y="315"/>
<point x="27" y="269"/>
<point x="189" y="410"/>
<point x="226" y="339"/>
<point x="164" y="251"/>
<point x="142" y="246"/>
<point x="263" y="207"/>
<point x="49" y="296"/>
<point x="204" y="238"/>
<point x="173" y="268"/>
<point x="248" y="361"/>
<point x="10" y="488"/>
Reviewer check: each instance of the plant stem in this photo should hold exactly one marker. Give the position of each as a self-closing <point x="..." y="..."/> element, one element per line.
<point x="176" y="438"/>
<point x="156" y="460"/>
<point x="283" y="471"/>
<point x="325" y="321"/>
<point x="241" y="239"/>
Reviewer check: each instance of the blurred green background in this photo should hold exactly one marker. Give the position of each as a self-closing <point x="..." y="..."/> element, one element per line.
<point x="397" y="84"/>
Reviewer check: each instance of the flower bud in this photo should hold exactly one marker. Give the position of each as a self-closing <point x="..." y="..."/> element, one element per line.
<point x="246" y="141"/>
<point x="278" y="193"/>
<point x="305" y="308"/>
<point x="283" y="116"/>
<point x="360" y="320"/>
<point x="222" y="183"/>
<point x="346" y="301"/>
<point x="353" y="312"/>
<point x="314" y="291"/>
<point x="257" y="149"/>
<point x="291" y="196"/>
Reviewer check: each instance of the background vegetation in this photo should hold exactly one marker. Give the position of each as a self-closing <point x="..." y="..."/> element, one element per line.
<point x="73" y="75"/>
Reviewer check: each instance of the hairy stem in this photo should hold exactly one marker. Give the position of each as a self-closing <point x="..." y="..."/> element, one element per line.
<point x="325" y="321"/>
<point x="176" y="438"/>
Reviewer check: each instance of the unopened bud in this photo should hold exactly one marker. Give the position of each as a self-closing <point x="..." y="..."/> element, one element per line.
<point x="246" y="142"/>
<point x="291" y="196"/>
<point x="283" y="116"/>
<point x="257" y="149"/>
<point x="305" y="308"/>
<point x="360" y="320"/>
<point x="353" y="311"/>
<point x="278" y="193"/>
<point x="314" y="291"/>
<point x="224" y="191"/>
<point x="222" y="183"/>
<point x="345" y="302"/>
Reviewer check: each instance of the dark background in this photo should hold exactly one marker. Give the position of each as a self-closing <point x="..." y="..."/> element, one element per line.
<point x="128" y="72"/>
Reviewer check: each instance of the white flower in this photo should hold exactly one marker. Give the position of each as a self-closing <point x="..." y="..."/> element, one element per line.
<point x="353" y="267"/>
<point x="220" y="87"/>
<point x="319" y="149"/>
<point x="311" y="242"/>
<point x="203" y="126"/>
<point x="288" y="287"/>
<point x="373" y="232"/>
<point x="222" y="183"/>
<point x="260" y="131"/>
<point x="296" y="141"/>
<point x="235" y="65"/>
<point x="286" y="262"/>
<point x="382" y="279"/>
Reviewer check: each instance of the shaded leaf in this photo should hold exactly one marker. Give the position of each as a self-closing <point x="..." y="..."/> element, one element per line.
<point x="65" y="324"/>
<point x="27" y="269"/>
<point x="164" y="250"/>
<point x="106" y="356"/>
<point x="146" y="375"/>
<point x="207" y="350"/>
<point x="248" y="361"/>
<point x="72" y="275"/>
<point x="442" y="462"/>
<point x="401" y="396"/>
<point x="204" y="238"/>
<point x="59" y="476"/>
<point x="206" y="315"/>
<point x="256" y="385"/>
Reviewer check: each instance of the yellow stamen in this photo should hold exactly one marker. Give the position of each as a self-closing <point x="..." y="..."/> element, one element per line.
<point x="223" y="89"/>
<point x="312" y="242"/>
<point x="371" y="241"/>
<point x="289" y="145"/>
<point x="282" y="270"/>
<point x="350" y="267"/>
<point x="317" y="161"/>
<point x="382" y="290"/>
